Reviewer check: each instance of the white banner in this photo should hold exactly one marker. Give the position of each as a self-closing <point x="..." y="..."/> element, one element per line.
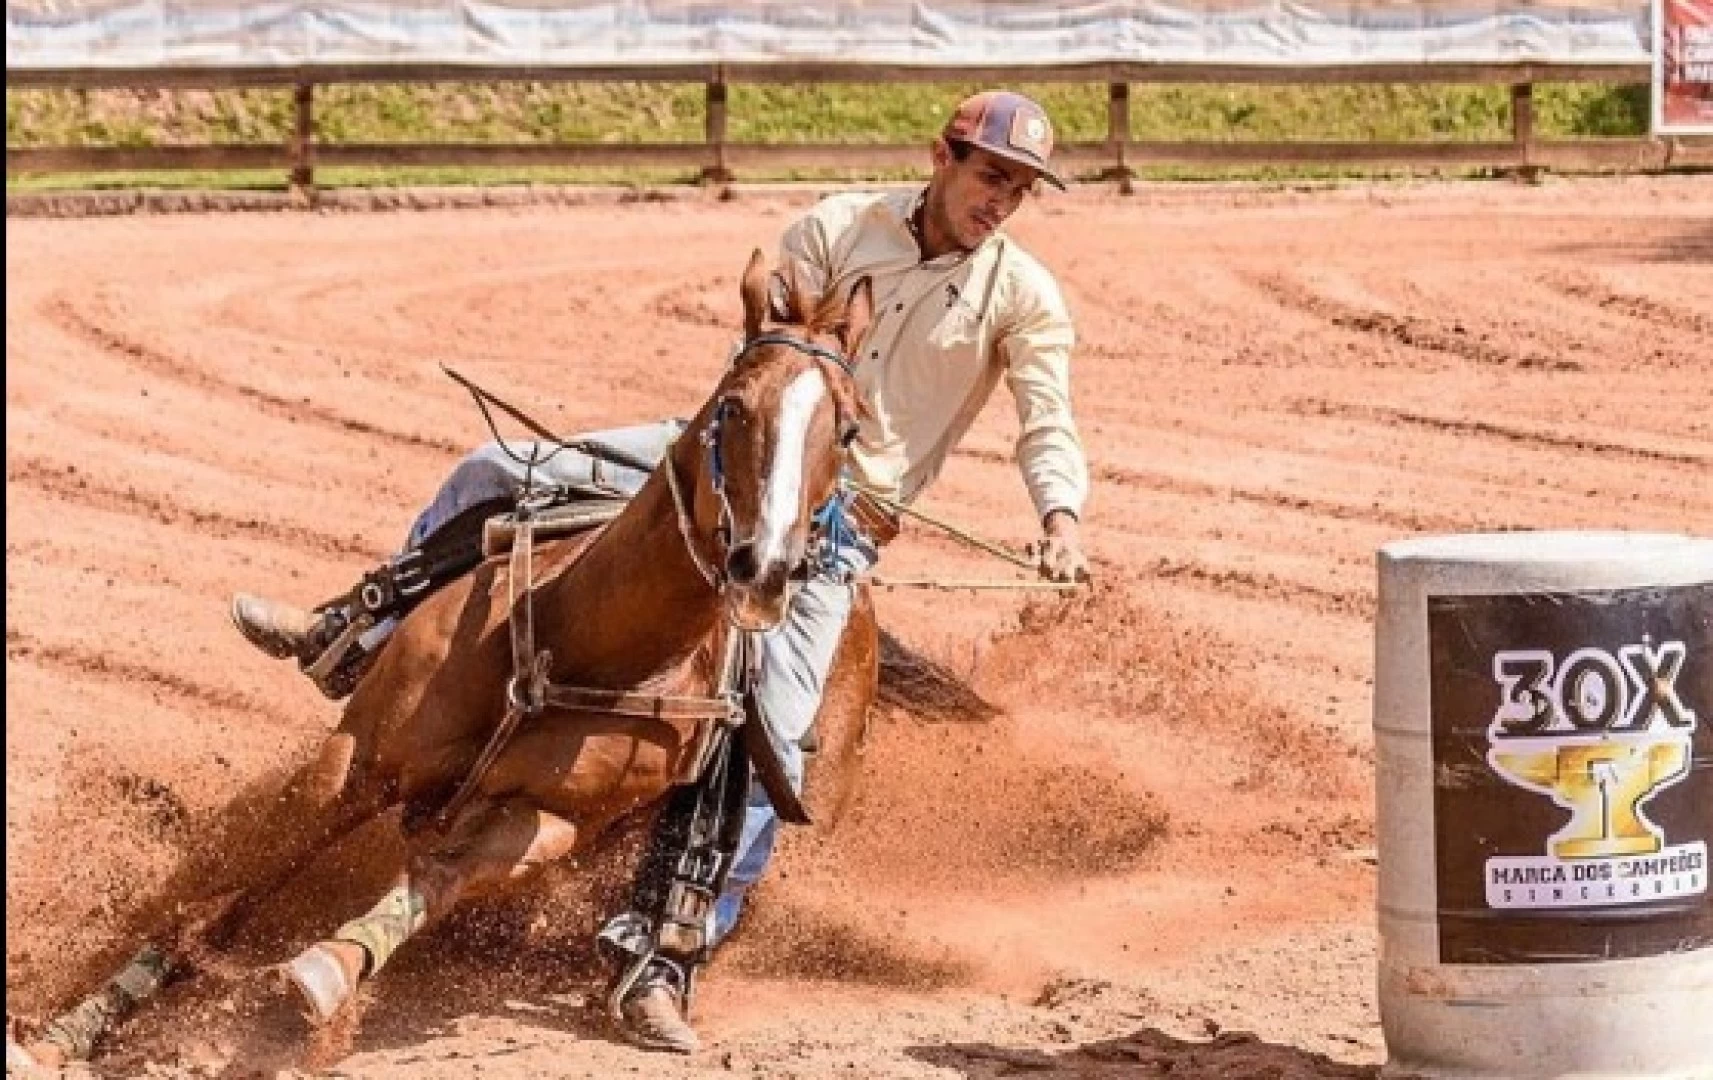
<point x="1545" y="882"/>
<point x="272" y="33"/>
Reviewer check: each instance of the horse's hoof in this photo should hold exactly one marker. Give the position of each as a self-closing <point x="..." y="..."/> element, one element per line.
<point x="322" y="980"/>
<point x="37" y="1060"/>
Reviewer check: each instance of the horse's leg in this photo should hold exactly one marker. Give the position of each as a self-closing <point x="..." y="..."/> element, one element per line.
<point x="490" y="845"/>
<point x="323" y="802"/>
<point x="841" y="723"/>
<point x="319" y="805"/>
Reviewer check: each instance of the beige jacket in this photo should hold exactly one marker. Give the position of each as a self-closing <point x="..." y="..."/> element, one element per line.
<point x="945" y="331"/>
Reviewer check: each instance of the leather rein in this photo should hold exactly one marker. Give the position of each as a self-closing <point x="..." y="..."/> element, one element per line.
<point x="529" y="692"/>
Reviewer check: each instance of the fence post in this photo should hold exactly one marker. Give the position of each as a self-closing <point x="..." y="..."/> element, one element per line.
<point x="303" y="141"/>
<point x="1523" y="130"/>
<point x="716" y="171"/>
<point x="1118" y="134"/>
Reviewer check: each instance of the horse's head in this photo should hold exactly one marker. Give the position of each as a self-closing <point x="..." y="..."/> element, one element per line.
<point x="774" y="437"/>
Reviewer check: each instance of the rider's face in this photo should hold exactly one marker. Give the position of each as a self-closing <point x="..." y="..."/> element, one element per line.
<point x="973" y="197"/>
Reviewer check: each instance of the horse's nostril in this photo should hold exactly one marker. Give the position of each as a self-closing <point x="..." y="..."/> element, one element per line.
<point x="741" y="566"/>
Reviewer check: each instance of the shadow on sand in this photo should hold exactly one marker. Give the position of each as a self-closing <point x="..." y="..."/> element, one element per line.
<point x="1230" y="1055"/>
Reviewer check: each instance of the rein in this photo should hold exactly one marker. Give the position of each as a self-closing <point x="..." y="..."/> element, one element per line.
<point x="529" y="691"/>
<point x="598" y="451"/>
<point x="963" y="536"/>
<point x="715" y="578"/>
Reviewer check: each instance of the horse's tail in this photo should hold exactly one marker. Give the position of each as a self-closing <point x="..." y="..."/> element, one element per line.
<point x="928" y="688"/>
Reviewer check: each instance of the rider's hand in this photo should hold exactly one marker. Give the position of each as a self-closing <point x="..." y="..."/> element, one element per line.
<point x="1061" y="553"/>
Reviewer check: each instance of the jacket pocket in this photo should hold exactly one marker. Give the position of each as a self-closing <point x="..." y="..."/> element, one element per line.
<point x="958" y="329"/>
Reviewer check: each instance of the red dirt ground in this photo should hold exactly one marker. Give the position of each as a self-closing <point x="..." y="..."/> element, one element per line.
<point x="1160" y="859"/>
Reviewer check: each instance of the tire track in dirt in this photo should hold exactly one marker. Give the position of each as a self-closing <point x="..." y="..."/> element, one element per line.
<point x="1549" y="440"/>
<point x="64" y="315"/>
<point x="1132" y="477"/>
<point x="1197" y="314"/>
<point x="66" y="483"/>
<point x="1524" y="305"/>
<point x="1586" y="288"/>
<point x="1112" y="310"/>
<point x="1275" y="500"/>
<point x="254" y="466"/>
<point x="81" y="663"/>
<point x="1413" y="331"/>
<point x="1252" y="586"/>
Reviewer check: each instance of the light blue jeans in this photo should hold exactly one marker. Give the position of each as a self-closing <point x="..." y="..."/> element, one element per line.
<point x="796" y="657"/>
<point x="490" y="472"/>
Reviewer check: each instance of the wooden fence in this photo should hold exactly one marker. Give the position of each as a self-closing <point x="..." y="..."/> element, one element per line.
<point x="717" y="158"/>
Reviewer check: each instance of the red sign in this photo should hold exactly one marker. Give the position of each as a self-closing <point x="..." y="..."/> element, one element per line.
<point x="1683" y="66"/>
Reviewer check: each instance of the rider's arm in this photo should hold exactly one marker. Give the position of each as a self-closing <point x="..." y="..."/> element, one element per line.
<point x="1035" y="348"/>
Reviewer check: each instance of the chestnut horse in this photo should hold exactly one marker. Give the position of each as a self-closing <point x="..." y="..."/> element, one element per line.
<point x="632" y="608"/>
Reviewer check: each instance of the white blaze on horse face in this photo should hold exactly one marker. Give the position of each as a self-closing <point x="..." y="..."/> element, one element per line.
<point x="782" y="494"/>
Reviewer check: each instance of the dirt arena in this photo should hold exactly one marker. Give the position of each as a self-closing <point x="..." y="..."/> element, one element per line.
<point x="1159" y="859"/>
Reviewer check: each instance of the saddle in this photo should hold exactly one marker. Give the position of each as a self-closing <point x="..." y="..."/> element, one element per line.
<point x="555" y="521"/>
<point x="391" y="590"/>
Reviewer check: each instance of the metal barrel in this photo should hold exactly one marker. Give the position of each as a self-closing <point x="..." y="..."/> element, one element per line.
<point x="1543" y="719"/>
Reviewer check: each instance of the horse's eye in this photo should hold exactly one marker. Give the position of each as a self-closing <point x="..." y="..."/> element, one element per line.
<point x="848" y="434"/>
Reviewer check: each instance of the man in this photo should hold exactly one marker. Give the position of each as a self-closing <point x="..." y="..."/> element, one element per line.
<point x="958" y="305"/>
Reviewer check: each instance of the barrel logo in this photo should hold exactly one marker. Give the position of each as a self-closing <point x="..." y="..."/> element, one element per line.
<point x="1600" y="733"/>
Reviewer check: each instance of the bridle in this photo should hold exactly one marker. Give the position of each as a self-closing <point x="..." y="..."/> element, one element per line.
<point x="828" y="521"/>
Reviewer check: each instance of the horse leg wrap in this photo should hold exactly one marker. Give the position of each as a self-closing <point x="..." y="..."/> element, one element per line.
<point x="400" y="913"/>
<point x="77" y="1031"/>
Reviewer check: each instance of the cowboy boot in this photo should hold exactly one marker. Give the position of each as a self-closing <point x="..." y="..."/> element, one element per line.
<point x="280" y="630"/>
<point x="286" y="632"/>
<point x="652" y="1014"/>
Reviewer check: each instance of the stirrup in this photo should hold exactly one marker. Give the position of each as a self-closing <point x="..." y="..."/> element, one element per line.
<point x="630" y="937"/>
<point x="336" y="670"/>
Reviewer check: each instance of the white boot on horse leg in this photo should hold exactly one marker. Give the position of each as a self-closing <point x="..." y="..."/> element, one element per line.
<point x="38" y="1060"/>
<point x="489" y="845"/>
<point x="328" y="973"/>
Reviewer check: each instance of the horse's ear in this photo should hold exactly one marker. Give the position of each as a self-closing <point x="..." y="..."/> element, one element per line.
<point x="859" y="312"/>
<point x="788" y="300"/>
<point x="754" y="292"/>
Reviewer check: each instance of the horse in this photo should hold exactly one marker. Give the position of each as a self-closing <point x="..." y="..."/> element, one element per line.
<point x="643" y="605"/>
